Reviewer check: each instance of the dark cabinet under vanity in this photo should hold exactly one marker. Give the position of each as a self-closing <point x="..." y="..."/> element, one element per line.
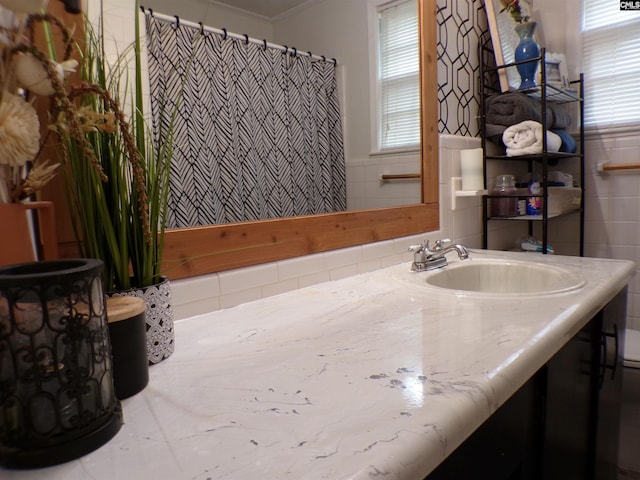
<point x="609" y="384"/>
<point x="564" y="422"/>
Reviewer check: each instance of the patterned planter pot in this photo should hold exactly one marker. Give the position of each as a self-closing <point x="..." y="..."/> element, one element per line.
<point x="159" y="318"/>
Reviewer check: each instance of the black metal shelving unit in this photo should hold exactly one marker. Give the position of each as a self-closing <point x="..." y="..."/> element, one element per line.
<point x="544" y="93"/>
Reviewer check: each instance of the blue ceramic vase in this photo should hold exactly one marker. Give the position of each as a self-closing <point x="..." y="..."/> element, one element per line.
<point x="526" y="50"/>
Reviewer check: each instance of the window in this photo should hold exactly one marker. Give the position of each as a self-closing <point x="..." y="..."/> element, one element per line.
<point x="397" y="76"/>
<point x="611" y="40"/>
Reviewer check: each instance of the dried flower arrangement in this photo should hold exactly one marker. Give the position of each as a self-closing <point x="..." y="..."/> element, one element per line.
<point x="517" y="11"/>
<point x="24" y="71"/>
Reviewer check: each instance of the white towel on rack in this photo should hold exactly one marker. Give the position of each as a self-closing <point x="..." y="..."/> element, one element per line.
<point x="525" y="138"/>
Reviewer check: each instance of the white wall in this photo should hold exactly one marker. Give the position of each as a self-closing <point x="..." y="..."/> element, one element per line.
<point x="213" y="15"/>
<point x="559" y="26"/>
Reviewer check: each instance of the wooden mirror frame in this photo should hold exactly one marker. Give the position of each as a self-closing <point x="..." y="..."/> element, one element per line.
<point x="199" y="250"/>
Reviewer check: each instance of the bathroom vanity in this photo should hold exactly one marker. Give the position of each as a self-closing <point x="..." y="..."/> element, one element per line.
<point x="382" y="375"/>
<point x="564" y="422"/>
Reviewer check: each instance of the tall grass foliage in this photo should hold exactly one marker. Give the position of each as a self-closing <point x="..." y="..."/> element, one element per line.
<point x="117" y="177"/>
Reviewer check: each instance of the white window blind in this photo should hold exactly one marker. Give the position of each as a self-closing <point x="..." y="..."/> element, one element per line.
<point x="611" y="40"/>
<point x="398" y="75"/>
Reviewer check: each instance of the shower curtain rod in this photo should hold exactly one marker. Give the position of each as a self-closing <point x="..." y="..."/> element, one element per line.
<point x="244" y="37"/>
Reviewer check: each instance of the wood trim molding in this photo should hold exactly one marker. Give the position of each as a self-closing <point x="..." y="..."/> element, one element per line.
<point x="200" y="250"/>
<point x="429" y="100"/>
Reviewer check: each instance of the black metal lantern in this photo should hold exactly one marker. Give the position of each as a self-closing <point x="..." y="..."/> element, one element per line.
<point x="57" y="400"/>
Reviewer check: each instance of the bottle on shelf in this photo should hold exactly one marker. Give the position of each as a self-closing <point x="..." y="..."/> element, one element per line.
<point x="534" y="204"/>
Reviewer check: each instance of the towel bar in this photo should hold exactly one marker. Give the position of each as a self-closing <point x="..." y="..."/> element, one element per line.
<point x="399" y="176"/>
<point x="608" y="167"/>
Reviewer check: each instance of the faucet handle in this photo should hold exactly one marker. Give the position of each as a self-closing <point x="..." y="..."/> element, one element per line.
<point x="417" y="248"/>
<point x="440" y="244"/>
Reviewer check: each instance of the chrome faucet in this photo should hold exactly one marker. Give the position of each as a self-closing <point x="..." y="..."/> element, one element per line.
<point x="426" y="259"/>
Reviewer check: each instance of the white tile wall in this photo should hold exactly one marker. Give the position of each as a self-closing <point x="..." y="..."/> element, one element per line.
<point x="366" y="190"/>
<point x="612" y="215"/>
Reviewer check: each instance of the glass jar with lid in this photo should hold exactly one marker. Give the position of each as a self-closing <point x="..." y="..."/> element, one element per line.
<point x="504" y="207"/>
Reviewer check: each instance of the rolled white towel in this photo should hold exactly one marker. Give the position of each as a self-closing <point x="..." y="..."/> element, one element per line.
<point x="525" y="138"/>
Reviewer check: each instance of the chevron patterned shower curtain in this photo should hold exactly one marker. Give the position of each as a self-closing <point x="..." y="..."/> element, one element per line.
<point x="258" y="132"/>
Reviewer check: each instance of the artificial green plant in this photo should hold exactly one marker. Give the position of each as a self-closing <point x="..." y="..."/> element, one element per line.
<point x="117" y="177"/>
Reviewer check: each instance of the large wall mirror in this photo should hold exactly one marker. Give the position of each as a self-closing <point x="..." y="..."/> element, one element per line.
<point x="206" y="249"/>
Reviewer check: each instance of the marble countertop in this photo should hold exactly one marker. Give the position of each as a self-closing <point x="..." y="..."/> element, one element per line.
<point x="372" y="376"/>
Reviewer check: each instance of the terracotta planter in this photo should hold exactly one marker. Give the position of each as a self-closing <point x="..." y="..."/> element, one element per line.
<point x="17" y="241"/>
<point x="159" y="318"/>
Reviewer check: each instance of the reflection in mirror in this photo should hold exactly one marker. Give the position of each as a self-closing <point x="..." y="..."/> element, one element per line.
<point x="257" y="131"/>
<point x="192" y="251"/>
<point x="273" y="145"/>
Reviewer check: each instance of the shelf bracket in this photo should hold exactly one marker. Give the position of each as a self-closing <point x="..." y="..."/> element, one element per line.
<point x="456" y="191"/>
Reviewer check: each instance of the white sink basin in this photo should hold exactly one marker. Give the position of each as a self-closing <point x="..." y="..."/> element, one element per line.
<point x="505" y="278"/>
